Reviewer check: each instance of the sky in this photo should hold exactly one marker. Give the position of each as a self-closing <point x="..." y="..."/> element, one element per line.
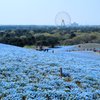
<point x="43" y="12"/>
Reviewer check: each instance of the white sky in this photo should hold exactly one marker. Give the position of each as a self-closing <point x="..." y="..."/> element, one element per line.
<point x="43" y="12"/>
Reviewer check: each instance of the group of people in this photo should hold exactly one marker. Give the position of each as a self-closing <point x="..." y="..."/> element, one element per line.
<point x="46" y="50"/>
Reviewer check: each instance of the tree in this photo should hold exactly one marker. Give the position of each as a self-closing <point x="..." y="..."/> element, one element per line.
<point x="52" y="41"/>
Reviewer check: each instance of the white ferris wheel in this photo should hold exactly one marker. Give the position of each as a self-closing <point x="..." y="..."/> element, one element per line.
<point x="62" y="19"/>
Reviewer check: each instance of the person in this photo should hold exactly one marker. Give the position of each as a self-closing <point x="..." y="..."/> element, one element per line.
<point x="94" y="50"/>
<point x="47" y="50"/>
<point x="52" y="51"/>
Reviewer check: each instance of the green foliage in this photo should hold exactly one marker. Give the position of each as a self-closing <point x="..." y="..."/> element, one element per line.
<point x="46" y="40"/>
<point x="51" y="36"/>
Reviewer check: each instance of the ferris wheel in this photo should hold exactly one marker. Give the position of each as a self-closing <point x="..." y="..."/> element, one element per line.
<point x="62" y="19"/>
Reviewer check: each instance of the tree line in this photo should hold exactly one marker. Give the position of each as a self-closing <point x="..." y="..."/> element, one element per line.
<point x="49" y="36"/>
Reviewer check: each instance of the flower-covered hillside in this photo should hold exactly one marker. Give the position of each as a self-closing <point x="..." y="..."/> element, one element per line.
<point x="35" y="75"/>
